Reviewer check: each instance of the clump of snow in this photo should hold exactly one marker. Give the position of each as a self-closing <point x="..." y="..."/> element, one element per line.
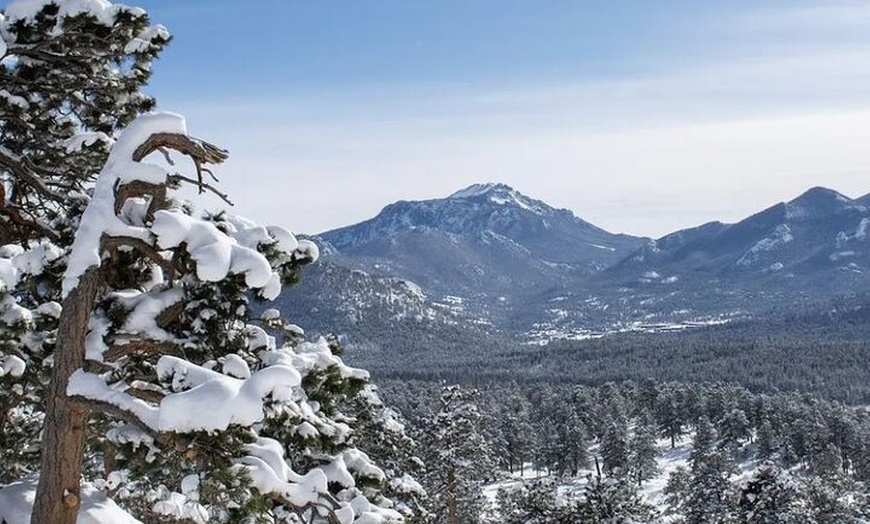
<point x="135" y="436"/>
<point x="143" y="309"/>
<point x="216" y="254"/>
<point x="12" y="365"/>
<point x="9" y="274"/>
<point x="286" y="242"/>
<point x="308" y="249"/>
<point x="204" y="400"/>
<point x="143" y="41"/>
<point x="12" y="313"/>
<point x="270" y="315"/>
<point x="235" y="366"/>
<point x="16" y="505"/>
<point x="14" y="100"/>
<point x="99" y="218"/>
<point x="33" y="260"/>
<point x="49" y="309"/>
<point x="178" y="505"/>
<point x="104" y="11"/>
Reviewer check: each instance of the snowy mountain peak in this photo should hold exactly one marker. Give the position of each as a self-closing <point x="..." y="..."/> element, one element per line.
<point x="819" y="201"/>
<point x="818" y="193"/>
<point x="501" y="194"/>
<point x="481" y="189"/>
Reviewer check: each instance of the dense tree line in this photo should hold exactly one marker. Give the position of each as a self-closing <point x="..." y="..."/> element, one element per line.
<point x="832" y="368"/>
<point x="802" y="459"/>
<point x="822" y="349"/>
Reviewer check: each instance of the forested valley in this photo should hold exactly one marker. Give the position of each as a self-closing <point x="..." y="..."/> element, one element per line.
<point x="606" y="453"/>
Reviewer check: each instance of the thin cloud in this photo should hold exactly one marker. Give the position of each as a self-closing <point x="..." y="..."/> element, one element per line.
<point x="646" y="154"/>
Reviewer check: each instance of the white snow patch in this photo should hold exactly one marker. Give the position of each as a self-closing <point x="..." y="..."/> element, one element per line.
<point x="16" y="505"/>
<point x="13" y="366"/>
<point x="104" y="11"/>
<point x="781" y="235"/>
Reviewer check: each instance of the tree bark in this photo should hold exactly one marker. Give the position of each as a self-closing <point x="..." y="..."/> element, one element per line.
<point x="58" y="495"/>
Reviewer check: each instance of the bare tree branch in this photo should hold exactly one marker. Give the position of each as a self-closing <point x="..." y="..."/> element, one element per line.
<point x="141" y="347"/>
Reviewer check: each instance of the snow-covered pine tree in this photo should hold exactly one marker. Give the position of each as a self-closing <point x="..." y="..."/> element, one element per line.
<point x="601" y="501"/>
<point x="516" y="434"/>
<point x="458" y="459"/>
<point x="611" y="500"/>
<point x="734" y="428"/>
<point x="200" y="404"/>
<point x="71" y="75"/>
<point x="772" y="496"/>
<point x="642" y="451"/>
<point x="530" y="503"/>
<point x="704" y="493"/>
<point x="380" y="431"/>
<point x="614" y="446"/>
<point x="670" y="413"/>
<point x="562" y="437"/>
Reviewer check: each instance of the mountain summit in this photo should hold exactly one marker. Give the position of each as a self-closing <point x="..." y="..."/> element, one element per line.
<point x="487" y="209"/>
<point x="487" y="241"/>
<point x="501" y="194"/>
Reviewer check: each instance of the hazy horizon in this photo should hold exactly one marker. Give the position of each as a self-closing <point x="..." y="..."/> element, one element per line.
<point x="640" y="118"/>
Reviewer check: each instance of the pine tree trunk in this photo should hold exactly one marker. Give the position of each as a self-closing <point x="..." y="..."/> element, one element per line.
<point x="58" y="495"/>
<point x="452" y="503"/>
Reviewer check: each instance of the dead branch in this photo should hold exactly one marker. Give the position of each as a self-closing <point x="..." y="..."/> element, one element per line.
<point x="24" y="171"/>
<point x="196" y="149"/>
<point x="170" y="314"/>
<point x="110" y="243"/>
<point x="146" y="394"/>
<point x="141" y="347"/>
<point x="203" y="186"/>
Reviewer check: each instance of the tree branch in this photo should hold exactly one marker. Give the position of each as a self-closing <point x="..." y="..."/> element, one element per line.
<point x="141" y="347"/>
<point x="109" y="243"/>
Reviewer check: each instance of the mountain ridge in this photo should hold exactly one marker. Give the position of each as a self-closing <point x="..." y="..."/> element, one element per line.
<point x="508" y="263"/>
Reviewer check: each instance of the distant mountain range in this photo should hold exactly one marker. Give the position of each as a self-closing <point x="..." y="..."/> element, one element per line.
<point x="488" y="261"/>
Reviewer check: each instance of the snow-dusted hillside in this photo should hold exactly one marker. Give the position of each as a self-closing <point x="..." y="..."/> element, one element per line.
<point x="491" y="257"/>
<point x="488" y="244"/>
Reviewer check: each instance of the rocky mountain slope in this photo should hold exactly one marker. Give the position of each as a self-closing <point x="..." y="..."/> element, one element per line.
<point x="488" y="261"/>
<point x="806" y="250"/>
<point x="485" y="247"/>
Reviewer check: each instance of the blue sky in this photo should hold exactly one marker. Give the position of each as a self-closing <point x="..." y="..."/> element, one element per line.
<point x="642" y="117"/>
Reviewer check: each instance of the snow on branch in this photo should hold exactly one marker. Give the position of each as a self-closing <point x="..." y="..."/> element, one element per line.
<point x="170" y="348"/>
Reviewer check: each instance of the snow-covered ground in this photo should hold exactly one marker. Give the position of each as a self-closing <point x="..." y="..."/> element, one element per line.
<point x="652" y="490"/>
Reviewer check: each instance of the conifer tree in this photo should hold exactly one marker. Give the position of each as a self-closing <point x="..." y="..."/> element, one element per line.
<point x="516" y="433"/>
<point x="206" y="418"/>
<point x="614" y="446"/>
<point x="71" y="76"/>
<point x="772" y="496"/>
<point x="642" y="451"/>
<point x="458" y="460"/>
<point x="704" y="493"/>
<point x="612" y="500"/>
